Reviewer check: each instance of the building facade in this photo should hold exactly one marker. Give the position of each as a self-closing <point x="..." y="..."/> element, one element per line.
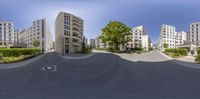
<point x="181" y="39"/>
<point x="194" y="33"/>
<point x="92" y="43"/>
<point x="139" y="38"/>
<point x="99" y="44"/>
<point x="6" y="34"/>
<point x="16" y="36"/>
<point x="146" y="42"/>
<point x="85" y="41"/>
<point x="38" y="31"/>
<point x="169" y="36"/>
<point x="68" y="33"/>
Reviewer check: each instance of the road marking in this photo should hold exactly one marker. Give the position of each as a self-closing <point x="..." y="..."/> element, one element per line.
<point x="49" y="68"/>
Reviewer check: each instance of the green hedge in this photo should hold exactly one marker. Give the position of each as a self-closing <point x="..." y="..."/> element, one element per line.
<point x="16" y="52"/>
<point x="86" y="50"/>
<point x="137" y="50"/>
<point x="198" y="51"/>
<point x="197" y="59"/>
<point x="177" y="51"/>
<point x="113" y="50"/>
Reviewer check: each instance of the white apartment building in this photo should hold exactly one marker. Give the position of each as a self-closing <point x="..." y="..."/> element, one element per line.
<point x="16" y="36"/>
<point x="68" y="33"/>
<point x="193" y="38"/>
<point x="99" y="43"/>
<point x="92" y="43"/>
<point x="6" y="34"/>
<point x="139" y="38"/>
<point x="146" y="42"/>
<point x="168" y="35"/>
<point x="181" y="38"/>
<point x="85" y="41"/>
<point x="194" y="33"/>
<point x="38" y="31"/>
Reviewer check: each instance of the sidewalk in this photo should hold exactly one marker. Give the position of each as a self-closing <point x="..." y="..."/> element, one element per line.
<point x="78" y="56"/>
<point x="20" y="64"/>
<point x="187" y="61"/>
<point x="166" y="56"/>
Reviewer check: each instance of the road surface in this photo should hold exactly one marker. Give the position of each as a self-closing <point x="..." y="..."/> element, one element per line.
<point x="101" y="76"/>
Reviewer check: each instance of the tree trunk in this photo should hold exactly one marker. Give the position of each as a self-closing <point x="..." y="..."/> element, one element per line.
<point x="116" y="46"/>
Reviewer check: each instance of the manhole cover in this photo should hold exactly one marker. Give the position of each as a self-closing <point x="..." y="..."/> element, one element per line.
<point x="50" y="68"/>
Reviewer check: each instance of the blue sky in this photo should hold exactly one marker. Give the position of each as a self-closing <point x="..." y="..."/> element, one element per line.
<point x="97" y="13"/>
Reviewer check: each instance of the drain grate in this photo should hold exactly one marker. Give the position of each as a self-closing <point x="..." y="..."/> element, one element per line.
<point x="49" y="68"/>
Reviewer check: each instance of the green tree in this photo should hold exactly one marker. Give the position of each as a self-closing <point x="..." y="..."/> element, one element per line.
<point x="116" y="33"/>
<point x="165" y="45"/>
<point x="36" y="43"/>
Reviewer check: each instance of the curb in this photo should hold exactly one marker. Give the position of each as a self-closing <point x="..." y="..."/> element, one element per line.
<point x="81" y="57"/>
<point x="20" y="64"/>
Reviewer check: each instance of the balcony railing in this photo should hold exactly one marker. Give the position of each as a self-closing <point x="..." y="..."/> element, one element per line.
<point x="77" y="20"/>
<point x="76" y="32"/>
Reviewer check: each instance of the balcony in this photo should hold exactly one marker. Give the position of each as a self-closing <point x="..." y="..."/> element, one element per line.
<point x="77" y="27"/>
<point x="76" y="37"/>
<point x="76" y="42"/>
<point x="76" y="32"/>
<point x="76" y="20"/>
<point x="77" y="24"/>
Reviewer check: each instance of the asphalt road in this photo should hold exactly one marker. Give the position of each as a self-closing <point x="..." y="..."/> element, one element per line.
<point x="102" y="76"/>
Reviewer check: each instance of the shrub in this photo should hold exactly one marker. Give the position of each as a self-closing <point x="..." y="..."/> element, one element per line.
<point x="111" y="49"/>
<point x="198" y="51"/>
<point x="101" y="48"/>
<point x="12" y="59"/>
<point x="86" y="50"/>
<point x="16" y="52"/>
<point x="177" y="52"/>
<point x="114" y="50"/>
<point x="197" y="59"/>
<point x="137" y="50"/>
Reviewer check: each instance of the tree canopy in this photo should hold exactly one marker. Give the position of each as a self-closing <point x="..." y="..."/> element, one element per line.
<point x="116" y="33"/>
<point x="36" y="43"/>
<point x="165" y="45"/>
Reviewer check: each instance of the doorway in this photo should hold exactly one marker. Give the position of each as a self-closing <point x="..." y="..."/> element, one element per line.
<point x="66" y="48"/>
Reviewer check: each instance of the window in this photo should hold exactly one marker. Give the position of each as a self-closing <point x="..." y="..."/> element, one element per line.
<point x="65" y="32"/>
<point x="65" y="22"/>
<point x="65" y="26"/>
